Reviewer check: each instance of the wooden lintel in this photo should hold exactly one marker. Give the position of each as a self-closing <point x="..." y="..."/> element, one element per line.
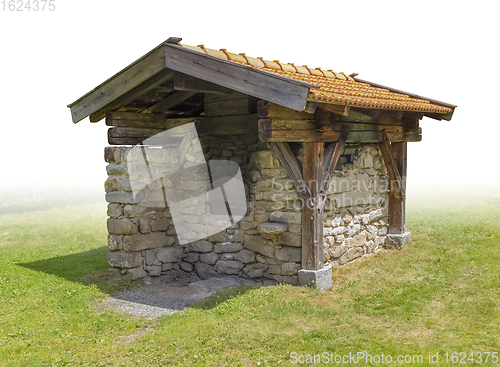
<point x="133" y="94"/>
<point x="396" y="184"/>
<point x="292" y="167"/>
<point x="188" y="83"/>
<point x="272" y="130"/>
<point x="133" y="128"/>
<point x="130" y="119"/>
<point x="332" y="163"/>
<point x="169" y="102"/>
<point x="338" y="109"/>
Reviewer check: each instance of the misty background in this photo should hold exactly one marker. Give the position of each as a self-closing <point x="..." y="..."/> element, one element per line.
<point x="445" y="51"/>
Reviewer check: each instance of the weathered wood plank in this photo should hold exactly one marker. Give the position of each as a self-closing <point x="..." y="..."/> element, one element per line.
<point x="172" y="142"/>
<point x="188" y="83"/>
<point x="228" y="125"/>
<point x="227" y="107"/>
<point x="273" y="110"/>
<point x="337" y="109"/>
<point x="241" y="78"/>
<point x="132" y="132"/>
<point x="324" y="120"/>
<point x="266" y="133"/>
<point x="119" y="84"/>
<point x="396" y="184"/>
<point x="410" y="124"/>
<point x="397" y="205"/>
<point x="130" y="96"/>
<point x="147" y="125"/>
<point x="365" y="113"/>
<point x="169" y="102"/>
<point x="289" y="124"/>
<point x="130" y="119"/>
<point x="312" y="216"/>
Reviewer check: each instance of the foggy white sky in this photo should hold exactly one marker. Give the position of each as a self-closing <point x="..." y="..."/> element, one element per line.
<point x="447" y="51"/>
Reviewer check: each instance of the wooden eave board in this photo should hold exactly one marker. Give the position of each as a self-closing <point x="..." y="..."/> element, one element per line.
<point x="434" y="115"/>
<point x="242" y="78"/>
<point x="446" y="116"/>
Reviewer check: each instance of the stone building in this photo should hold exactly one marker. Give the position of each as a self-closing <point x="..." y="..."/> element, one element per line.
<point x="319" y="157"/>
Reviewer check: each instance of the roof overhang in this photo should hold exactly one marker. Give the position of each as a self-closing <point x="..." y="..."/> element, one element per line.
<point x="437" y="116"/>
<point x="167" y="57"/>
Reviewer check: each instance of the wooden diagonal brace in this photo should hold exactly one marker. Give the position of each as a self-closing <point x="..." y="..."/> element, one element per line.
<point x="330" y="163"/>
<point x="293" y="169"/>
<point x="392" y="168"/>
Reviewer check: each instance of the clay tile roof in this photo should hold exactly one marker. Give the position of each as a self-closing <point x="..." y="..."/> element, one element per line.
<point x="334" y="88"/>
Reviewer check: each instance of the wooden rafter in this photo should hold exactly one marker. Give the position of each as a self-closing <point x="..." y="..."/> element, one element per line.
<point x="338" y="109"/>
<point x="169" y="102"/>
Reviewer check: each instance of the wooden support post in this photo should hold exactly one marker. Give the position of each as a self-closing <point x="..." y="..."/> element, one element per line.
<point x="397" y="205"/>
<point x="312" y="223"/>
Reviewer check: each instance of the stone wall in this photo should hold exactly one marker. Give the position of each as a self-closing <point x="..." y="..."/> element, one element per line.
<point x="266" y="243"/>
<point x="356" y="216"/>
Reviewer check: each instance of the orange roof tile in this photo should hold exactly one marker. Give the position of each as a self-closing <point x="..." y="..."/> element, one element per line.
<point x="334" y="88"/>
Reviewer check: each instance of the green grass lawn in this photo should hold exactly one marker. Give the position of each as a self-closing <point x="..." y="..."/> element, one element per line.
<point x="440" y="294"/>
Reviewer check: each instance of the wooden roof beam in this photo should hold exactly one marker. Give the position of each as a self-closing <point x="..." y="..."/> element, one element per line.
<point x="338" y="109"/>
<point x="169" y="102"/>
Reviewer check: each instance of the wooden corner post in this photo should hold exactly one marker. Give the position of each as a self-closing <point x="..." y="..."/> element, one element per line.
<point x="397" y="205"/>
<point x="312" y="229"/>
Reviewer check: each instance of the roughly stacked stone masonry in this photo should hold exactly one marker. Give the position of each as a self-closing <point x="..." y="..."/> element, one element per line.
<point x="356" y="215"/>
<point x="266" y="243"/>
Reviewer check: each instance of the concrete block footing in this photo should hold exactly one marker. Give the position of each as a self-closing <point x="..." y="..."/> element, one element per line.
<point x="397" y="241"/>
<point x="320" y="279"/>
